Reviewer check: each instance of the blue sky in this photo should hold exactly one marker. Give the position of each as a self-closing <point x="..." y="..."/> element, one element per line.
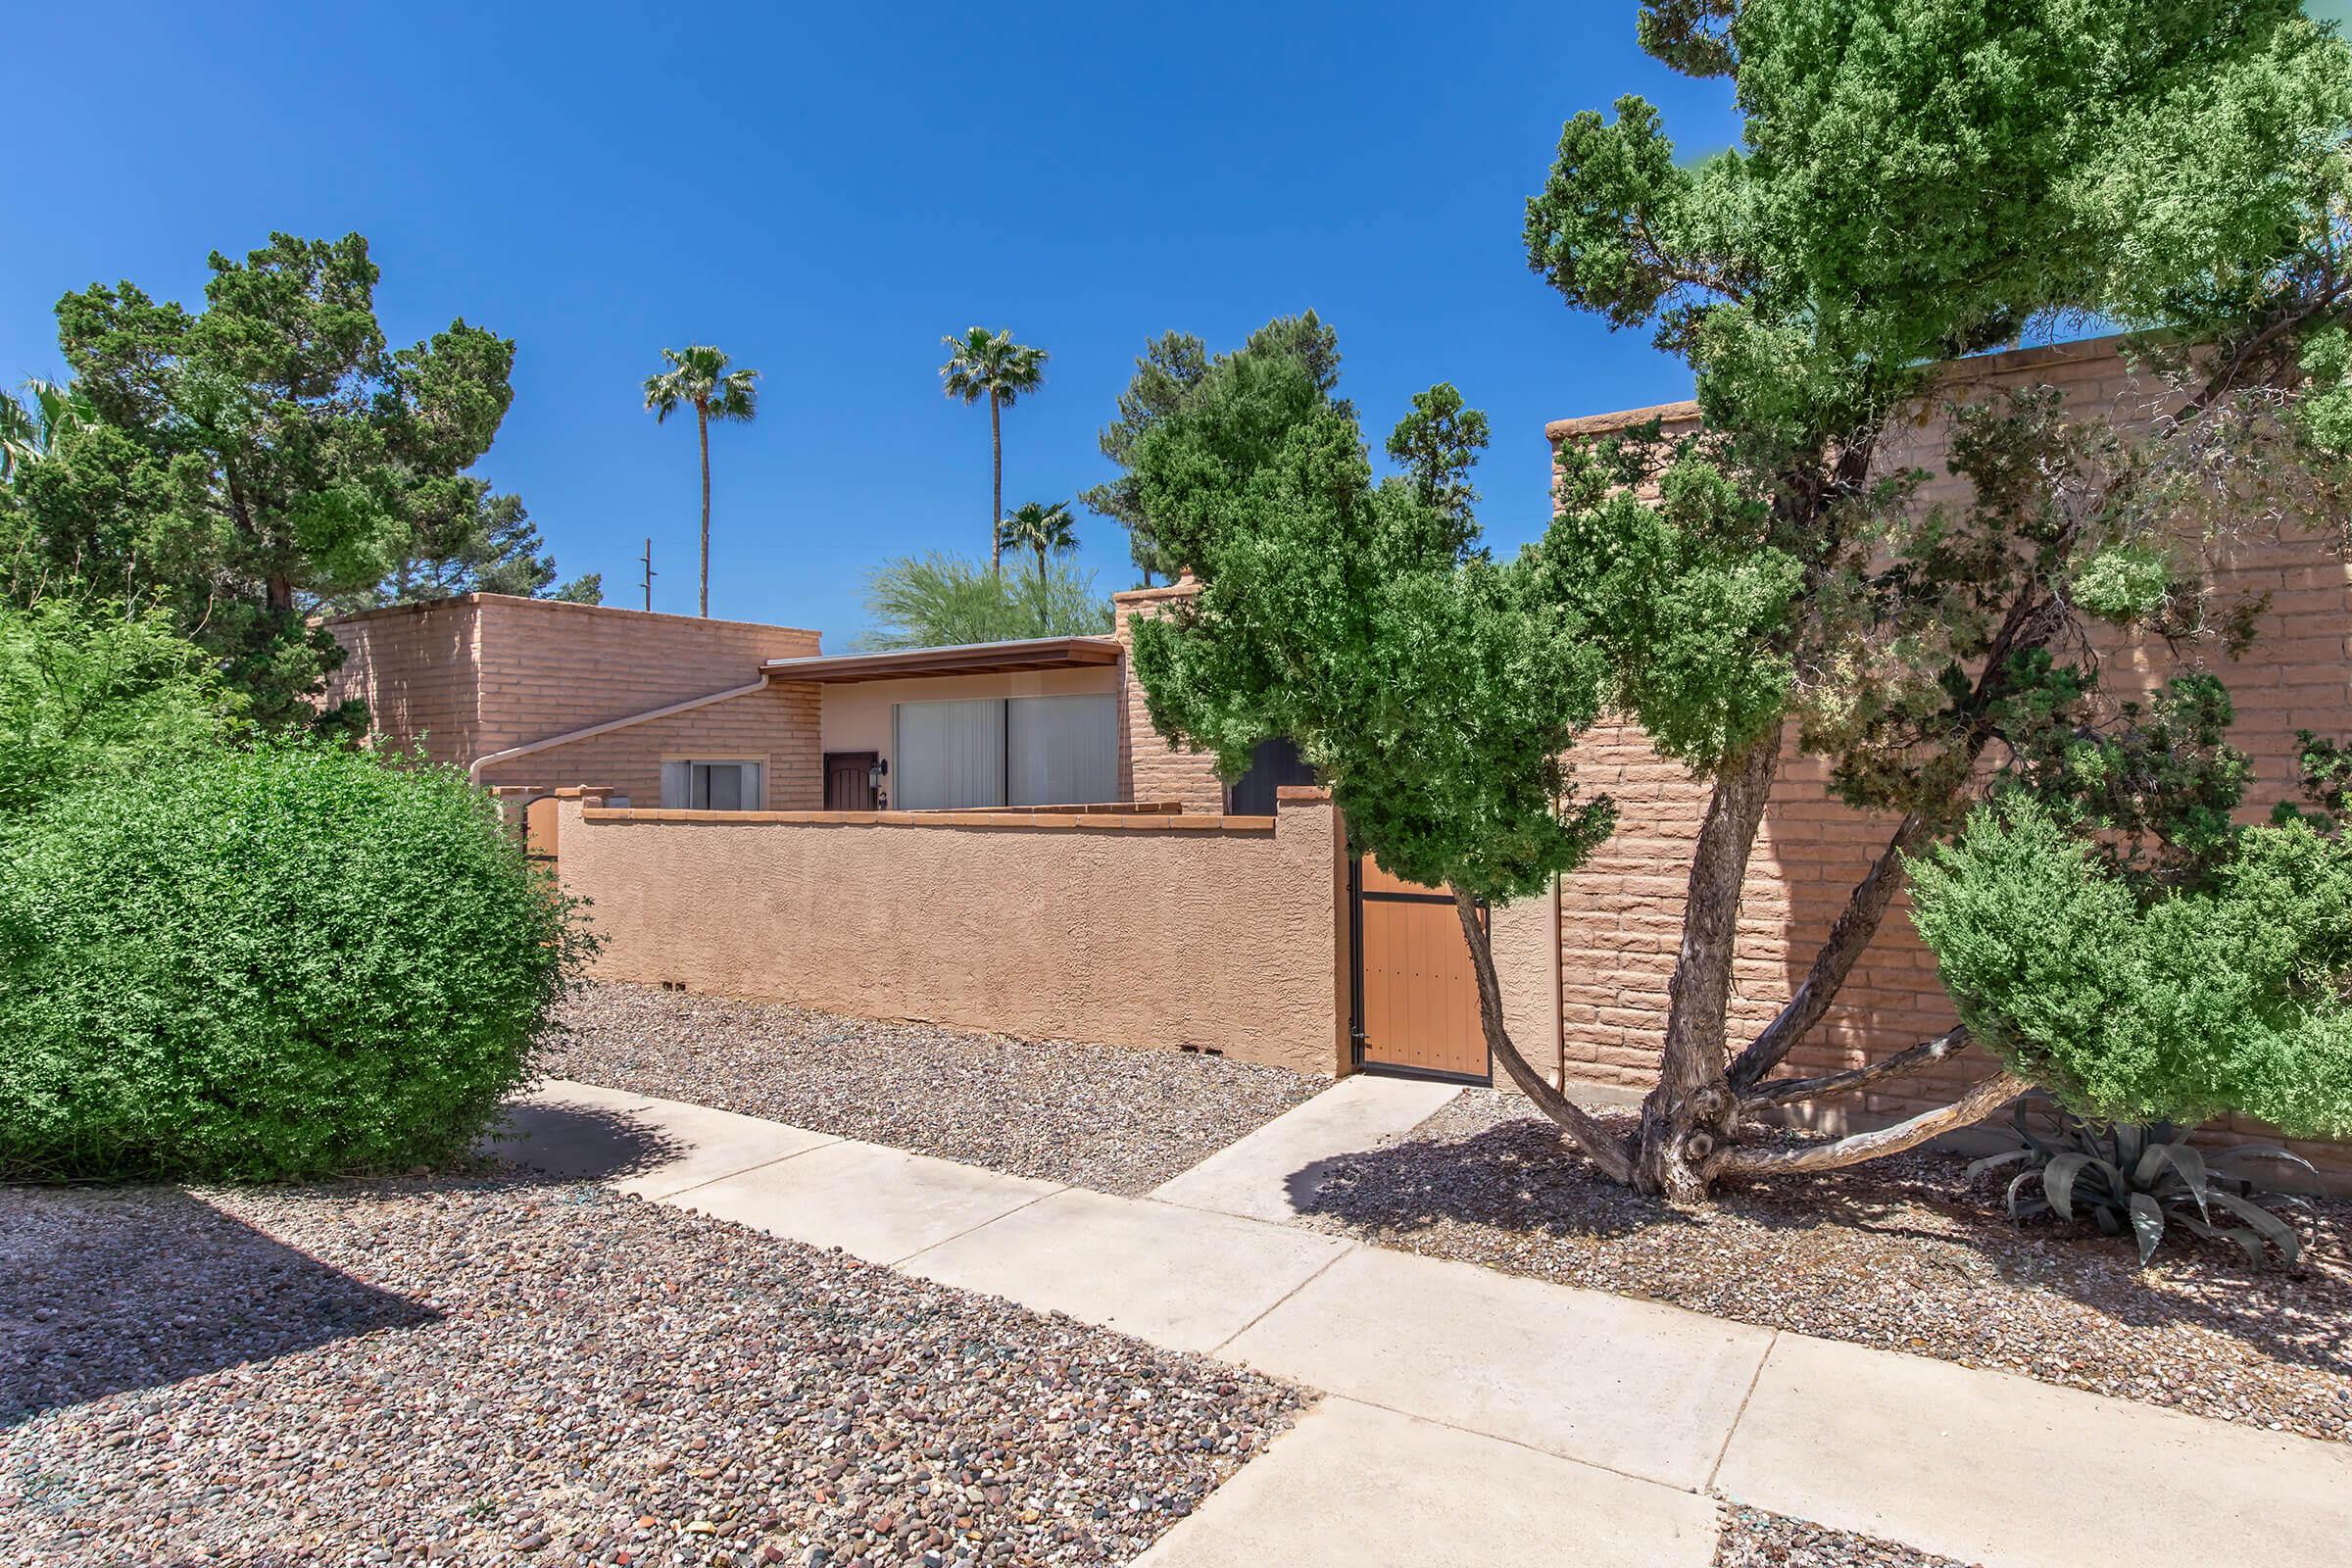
<point x="827" y="193"/>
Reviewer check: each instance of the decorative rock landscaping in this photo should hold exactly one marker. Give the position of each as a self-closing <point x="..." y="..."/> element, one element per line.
<point x="488" y="1370"/>
<point x="1754" y="1538"/>
<point x="1897" y="1255"/>
<point x="1120" y="1121"/>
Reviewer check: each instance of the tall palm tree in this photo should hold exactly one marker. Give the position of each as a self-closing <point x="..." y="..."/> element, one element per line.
<point x="990" y="364"/>
<point x="1043" y="528"/>
<point x="698" y="379"/>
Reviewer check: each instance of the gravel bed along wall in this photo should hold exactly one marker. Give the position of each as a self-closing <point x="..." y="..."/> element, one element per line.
<point x="1120" y="1121"/>
<point x="1898" y="1253"/>
<point x="1754" y="1538"/>
<point x="489" y="1371"/>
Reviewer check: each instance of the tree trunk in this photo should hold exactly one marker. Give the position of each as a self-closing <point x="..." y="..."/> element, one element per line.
<point x="1692" y="1112"/>
<point x="702" y="419"/>
<point x="1604" y="1148"/>
<point x="995" y="521"/>
<point x="1987" y="1096"/>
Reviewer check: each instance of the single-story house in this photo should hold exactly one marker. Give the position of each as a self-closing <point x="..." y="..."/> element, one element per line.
<point x="679" y="712"/>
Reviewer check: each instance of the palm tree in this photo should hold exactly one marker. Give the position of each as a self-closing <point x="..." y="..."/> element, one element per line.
<point x="698" y="378"/>
<point x="990" y="364"/>
<point x="29" y="427"/>
<point x="1041" y="529"/>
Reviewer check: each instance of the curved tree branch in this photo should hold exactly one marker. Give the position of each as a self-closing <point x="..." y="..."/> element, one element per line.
<point x="1980" y="1102"/>
<point x="1789" y="1090"/>
<point x="1604" y="1149"/>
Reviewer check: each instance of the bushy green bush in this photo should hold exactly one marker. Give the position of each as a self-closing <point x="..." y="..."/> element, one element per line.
<point x="89" y="692"/>
<point x="2135" y="1001"/>
<point x="291" y="960"/>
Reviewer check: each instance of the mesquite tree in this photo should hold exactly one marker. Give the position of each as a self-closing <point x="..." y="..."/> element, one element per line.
<point x="1918" y="180"/>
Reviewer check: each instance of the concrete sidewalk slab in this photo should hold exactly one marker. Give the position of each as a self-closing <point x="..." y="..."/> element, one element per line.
<point x="881" y="1204"/>
<point x="636" y="1143"/>
<point x="1173" y="1276"/>
<point x="1352" y="1485"/>
<point x="1274" y="1172"/>
<point x="2011" y="1473"/>
<point x="1628" y="1386"/>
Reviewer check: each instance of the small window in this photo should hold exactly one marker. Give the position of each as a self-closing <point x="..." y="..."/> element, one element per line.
<point x="718" y="785"/>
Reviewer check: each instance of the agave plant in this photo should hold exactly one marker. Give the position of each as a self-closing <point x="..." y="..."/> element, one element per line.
<point x="2122" y="1177"/>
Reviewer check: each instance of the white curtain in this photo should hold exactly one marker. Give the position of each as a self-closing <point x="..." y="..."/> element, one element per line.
<point x="677" y="786"/>
<point x="1064" y="751"/>
<point x="946" y="755"/>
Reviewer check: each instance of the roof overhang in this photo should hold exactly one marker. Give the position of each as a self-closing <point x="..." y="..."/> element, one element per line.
<point x="974" y="658"/>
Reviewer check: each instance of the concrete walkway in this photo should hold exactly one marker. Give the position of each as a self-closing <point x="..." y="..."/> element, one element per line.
<point x="1275" y="1172"/>
<point x="1475" y="1417"/>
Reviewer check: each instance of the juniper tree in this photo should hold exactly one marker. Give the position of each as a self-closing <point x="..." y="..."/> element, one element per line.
<point x="1918" y="180"/>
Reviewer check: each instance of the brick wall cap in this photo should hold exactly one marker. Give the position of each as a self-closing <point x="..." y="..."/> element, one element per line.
<point x="1301" y="794"/>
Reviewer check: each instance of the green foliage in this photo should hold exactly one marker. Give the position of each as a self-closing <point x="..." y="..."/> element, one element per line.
<point x="985" y="366"/>
<point x="1438" y="445"/>
<point x="941" y="600"/>
<point x="2144" y="1001"/>
<point x="2125" y="582"/>
<point x="2134" y="1180"/>
<point x="294" y="961"/>
<point x="89" y="695"/>
<point x="1042" y="527"/>
<point x="1171" y="366"/>
<point x="247" y="464"/>
<point x="1432" y="688"/>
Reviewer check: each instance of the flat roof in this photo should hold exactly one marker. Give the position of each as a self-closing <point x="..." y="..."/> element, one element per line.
<point x="972" y="659"/>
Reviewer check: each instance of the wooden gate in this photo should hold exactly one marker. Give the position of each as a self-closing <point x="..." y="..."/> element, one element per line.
<point x="539" y="829"/>
<point x="1415" y="995"/>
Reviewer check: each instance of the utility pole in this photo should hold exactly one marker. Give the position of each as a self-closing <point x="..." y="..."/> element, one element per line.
<point x="650" y="574"/>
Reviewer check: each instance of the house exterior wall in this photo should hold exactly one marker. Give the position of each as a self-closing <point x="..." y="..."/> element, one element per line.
<point x="484" y="672"/>
<point x="1621" y="913"/>
<point x="857" y="714"/>
<point x="1150" y="768"/>
<point x="776" y="727"/>
<point x="1139" y="930"/>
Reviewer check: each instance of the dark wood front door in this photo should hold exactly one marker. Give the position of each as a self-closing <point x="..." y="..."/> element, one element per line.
<point x="850" y="781"/>
<point x="1416" y="996"/>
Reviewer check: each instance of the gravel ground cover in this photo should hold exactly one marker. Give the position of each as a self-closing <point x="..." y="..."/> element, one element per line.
<point x="1898" y="1253"/>
<point x="1120" y="1121"/>
<point x="1754" y="1538"/>
<point x="491" y="1371"/>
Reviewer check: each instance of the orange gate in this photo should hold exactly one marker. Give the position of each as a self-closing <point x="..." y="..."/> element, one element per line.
<point x="1414" y="994"/>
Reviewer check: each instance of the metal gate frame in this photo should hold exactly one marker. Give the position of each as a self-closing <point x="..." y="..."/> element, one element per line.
<point x="1358" y="896"/>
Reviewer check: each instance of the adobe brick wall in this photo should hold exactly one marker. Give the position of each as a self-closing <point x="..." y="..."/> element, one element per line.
<point x="1621" y="914"/>
<point x="488" y="671"/>
<point x="1150" y="768"/>
<point x="777" y="727"/>
<point x="1132" y="929"/>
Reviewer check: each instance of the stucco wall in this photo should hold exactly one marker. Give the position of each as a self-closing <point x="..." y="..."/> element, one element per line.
<point x="1621" y="914"/>
<point x="1137" y="930"/>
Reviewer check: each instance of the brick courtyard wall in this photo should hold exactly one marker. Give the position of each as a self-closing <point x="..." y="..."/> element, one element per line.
<point x="1143" y="929"/>
<point x="1621" y="914"/>
<point x="1150" y="768"/>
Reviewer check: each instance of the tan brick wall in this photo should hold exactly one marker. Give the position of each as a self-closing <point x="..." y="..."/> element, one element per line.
<point x="1621" y="916"/>
<point x="1140" y="930"/>
<point x="417" y="668"/>
<point x="1150" y="768"/>
<point x="488" y="671"/>
<point x="777" y="727"/>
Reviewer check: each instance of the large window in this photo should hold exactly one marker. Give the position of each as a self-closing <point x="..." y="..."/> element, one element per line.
<point x="995" y="751"/>
<point x="718" y="784"/>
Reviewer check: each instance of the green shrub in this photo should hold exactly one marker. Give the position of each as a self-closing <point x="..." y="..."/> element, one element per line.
<point x="287" y="961"/>
<point x="2131" y="1000"/>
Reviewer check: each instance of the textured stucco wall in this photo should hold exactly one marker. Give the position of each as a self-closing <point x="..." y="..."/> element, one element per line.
<point x="1140" y="932"/>
<point x="1526" y="939"/>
